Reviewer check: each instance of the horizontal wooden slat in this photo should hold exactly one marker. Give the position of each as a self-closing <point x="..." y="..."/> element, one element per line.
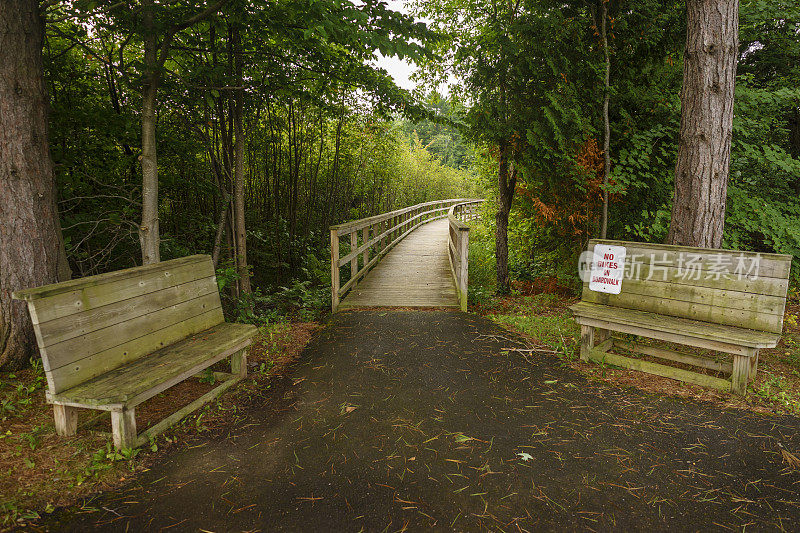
<point x="727" y="338"/>
<point x="659" y="370"/>
<point x="663" y="280"/>
<point x="672" y="355"/>
<point x="178" y="361"/>
<point x="749" y="318"/>
<point x="762" y="285"/>
<point x="770" y="265"/>
<point x="354" y="225"/>
<point x="82" y="370"/>
<point x="77" y="324"/>
<point x="156" y="429"/>
<point x="76" y="348"/>
<point x="99" y="291"/>
<point x="47" y="291"/>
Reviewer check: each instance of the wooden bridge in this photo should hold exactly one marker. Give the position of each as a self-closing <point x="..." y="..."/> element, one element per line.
<point x="413" y="257"/>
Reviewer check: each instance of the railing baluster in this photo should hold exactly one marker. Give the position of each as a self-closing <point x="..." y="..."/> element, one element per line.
<point x="365" y="239"/>
<point x="354" y="260"/>
<point x="334" y="269"/>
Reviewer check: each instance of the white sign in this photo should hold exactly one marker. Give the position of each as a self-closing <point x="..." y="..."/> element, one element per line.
<point x="608" y="266"/>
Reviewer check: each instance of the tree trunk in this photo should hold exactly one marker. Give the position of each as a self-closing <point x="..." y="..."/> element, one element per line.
<point x="606" y="123"/>
<point x="29" y="240"/>
<point x="507" y="182"/>
<point x="238" y="175"/>
<point x="709" y="74"/>
<point x="149" y="238"/>
<point x="223" y="215"/>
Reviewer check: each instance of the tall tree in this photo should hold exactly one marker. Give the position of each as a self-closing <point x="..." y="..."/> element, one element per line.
<point x="155" y="56"/>
<point x="29" y="230"/>
<point x="238" y="171"/>
<point x="709" y="75"/>
<point x="506" y="183"/>
<point x="606" y="121"/>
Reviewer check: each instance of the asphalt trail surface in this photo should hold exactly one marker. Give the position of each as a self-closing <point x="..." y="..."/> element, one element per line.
<point x="422" y="420"/>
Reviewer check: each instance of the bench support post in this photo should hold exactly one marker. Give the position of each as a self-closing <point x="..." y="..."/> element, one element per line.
<point x="123" y="428"/>
<point x="743" y="367"/>
<point x="239" y="364"/>
<point x="590" y="337"/>
<point x="66" y="420"/>
<point x="587" y="341"/>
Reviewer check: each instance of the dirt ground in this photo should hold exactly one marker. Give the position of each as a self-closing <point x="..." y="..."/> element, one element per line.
<point x="395" y="420"/>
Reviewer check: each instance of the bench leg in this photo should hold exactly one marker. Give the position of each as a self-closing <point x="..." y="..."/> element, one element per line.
<point x="239" y="364"/>
<point x="743" y="367"/>
<point x="601" y="335"/>
<point x="66" y="420"/>
<point x="123" y="428"/>
<point x="587" y="341"/>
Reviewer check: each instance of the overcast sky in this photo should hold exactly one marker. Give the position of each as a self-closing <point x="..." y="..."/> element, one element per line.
<point x="399" y="69"/>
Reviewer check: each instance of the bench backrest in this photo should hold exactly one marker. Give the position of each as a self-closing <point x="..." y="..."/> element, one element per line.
<point x="89" y="326"/>
<point x="732" y="288"/>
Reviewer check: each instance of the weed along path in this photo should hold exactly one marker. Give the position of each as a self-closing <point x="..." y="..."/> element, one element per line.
<point x="420" y="420"/>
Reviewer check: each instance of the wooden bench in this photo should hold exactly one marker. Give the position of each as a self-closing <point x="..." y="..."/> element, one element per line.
<point x="721" y="300"/>
<point x="112" y="341"/>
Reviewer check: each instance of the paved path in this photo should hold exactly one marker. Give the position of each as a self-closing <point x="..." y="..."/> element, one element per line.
<point x="415" y="273"/>
<point x="420" y="421"/>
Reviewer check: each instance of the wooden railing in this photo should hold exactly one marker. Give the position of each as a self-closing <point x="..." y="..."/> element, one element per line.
<point x="458" y="244"/>
<point x="371" y="238"/>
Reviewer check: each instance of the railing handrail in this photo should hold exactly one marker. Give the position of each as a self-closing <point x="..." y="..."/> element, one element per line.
<point x="384" y="230"/>
<point x="347" y="227"/>
<point x="451" y="213"/>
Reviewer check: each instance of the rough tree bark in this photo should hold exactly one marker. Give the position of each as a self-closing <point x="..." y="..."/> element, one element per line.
<point x="507" y="183"/>
<point x="709" y="73"/>
<point x="149" y="237"/>
<point x="29" y="236"/>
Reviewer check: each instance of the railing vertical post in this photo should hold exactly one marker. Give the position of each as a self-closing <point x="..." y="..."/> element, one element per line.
<point x="383" y="227"/>
<point x="354" y="260"/>
<point x="365" y="239"/>
<point x="334" y="270"/>
<point x="464" y="267"/>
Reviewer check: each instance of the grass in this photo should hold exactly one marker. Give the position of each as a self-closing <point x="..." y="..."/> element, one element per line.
<point x="546" y="320"/>
<point x="40" y="471"/>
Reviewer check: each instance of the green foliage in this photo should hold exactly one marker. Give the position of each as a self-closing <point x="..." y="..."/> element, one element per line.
<point x="104" y="459"/>
<point x="545" y="96"/>
<point x="16" y="397"/>
<point x="777" y="390"/>
<point x="325" y="141"/>
<point x="555" y="331"/>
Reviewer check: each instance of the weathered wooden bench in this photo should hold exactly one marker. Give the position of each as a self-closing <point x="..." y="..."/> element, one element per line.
<point x="721" y="300"/>
<point x="112" y="341"/>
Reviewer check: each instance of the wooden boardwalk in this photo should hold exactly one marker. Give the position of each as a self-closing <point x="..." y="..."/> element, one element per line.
<point x="415" y="273"/>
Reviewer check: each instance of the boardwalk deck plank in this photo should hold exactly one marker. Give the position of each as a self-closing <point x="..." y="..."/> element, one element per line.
<point x="415" y="273"/>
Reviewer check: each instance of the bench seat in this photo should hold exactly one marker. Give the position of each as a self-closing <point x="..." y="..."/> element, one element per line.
<point x="726" y="301"/>
<point x="661" y="326"/>
<point x="131" y="384"/>
<point x="112" y="341"/>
